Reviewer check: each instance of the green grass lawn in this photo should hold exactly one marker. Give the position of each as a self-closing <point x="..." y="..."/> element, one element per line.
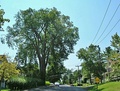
<point x="110" y="86"/>
<point x="4" y="89"/>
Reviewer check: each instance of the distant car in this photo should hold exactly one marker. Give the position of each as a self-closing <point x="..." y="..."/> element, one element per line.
<point x="57" y="83"/>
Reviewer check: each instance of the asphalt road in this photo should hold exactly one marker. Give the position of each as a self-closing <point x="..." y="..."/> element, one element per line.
<point x="60" y="88"/>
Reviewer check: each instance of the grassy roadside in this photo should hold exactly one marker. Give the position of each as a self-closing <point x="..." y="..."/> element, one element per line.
<point x="110" y="86"/>
<point x="4" y="89"/>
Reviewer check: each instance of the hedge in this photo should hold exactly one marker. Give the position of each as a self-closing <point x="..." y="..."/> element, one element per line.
<point x="20" y="83"/>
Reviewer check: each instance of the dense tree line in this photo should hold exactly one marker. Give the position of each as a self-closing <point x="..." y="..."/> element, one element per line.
<point x="97" y="63"/>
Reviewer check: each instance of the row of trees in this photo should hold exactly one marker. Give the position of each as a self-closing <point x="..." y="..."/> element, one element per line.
<point x="96" y="63"/>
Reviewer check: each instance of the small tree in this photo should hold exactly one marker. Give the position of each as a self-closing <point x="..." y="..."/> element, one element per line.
<point x="7" y="70"/>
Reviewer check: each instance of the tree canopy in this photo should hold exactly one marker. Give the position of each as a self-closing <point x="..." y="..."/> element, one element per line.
<point x="42" y="34"/>
<point x="115" y="55"/>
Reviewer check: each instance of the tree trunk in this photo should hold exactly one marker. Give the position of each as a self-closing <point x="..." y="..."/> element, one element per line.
<point x="101" y="80"/>
<point x="42" y="67"/>
<point x="42" y="72"/>
<point x="90" y="80"/>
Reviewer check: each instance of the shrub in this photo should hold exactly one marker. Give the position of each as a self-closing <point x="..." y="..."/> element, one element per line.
<point x="47" y="83"/>
<point x="16" y="83"/>
<point x="19" y="83"/>
<point x="75" y="84"/>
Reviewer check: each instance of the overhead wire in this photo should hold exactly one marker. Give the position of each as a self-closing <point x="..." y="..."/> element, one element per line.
<point x="108" y="24"/>
<point x="102" y="21"/>
<point x="110" y="31"/>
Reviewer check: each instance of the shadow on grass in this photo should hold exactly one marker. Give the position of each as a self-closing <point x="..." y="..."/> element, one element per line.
<point x="95" y="89"/>
<point x="89" y="88"/>
<point x="100" y="89"/>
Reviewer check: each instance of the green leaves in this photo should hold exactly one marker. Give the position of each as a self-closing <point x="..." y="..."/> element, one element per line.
<point x="112" y="55"/>
<point x="8" y="70"/>
<point x="116" y="41"/>
<point x="2" y="19"/>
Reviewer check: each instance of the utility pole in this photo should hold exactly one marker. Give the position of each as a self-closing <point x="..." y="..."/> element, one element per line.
<point x="98" y="52"/>
<point x="99" y="59"/>
<point x="78" y="73"/>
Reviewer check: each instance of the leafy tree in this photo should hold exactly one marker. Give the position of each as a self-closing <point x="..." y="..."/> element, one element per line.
<point x="68" y="77"/>
<point x="107" y="56"/>
<point x="65" y="79"/>
<point x="115" y="55"/>
<point x="41" y="34"/>
<point x="112" y="55"/>
<point x="115" y="63"/>
<point x="7" y="69"/>
<point x="92" y="62"/>
<point x="2" y="19"/>
<point x="116" y="42"/>
<point x="77" y="74"/>
<point x="87" y="65"/>
<point x="71" y="78"/>
<point x="107" y="52"/>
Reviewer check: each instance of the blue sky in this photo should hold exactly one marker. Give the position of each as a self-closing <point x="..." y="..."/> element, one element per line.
<point x="85" y="14"/>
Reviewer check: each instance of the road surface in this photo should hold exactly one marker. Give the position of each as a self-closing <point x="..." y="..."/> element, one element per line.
<point x="60" y="88"/>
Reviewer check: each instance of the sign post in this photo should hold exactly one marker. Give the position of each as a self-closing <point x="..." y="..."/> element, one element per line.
<point x="97" y="80"/>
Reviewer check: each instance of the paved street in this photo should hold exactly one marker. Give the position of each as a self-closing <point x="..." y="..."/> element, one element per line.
<point x="60" y="88"/>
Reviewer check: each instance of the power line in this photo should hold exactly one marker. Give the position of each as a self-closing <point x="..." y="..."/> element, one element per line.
<point x="108" y="23"/>
<point x="102" y="21"/>
<point x="110" y="31"/>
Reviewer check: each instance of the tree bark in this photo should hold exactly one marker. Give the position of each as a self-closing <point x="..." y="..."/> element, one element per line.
<point x="42" y="72"/>
<point x="41" y="66"/>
